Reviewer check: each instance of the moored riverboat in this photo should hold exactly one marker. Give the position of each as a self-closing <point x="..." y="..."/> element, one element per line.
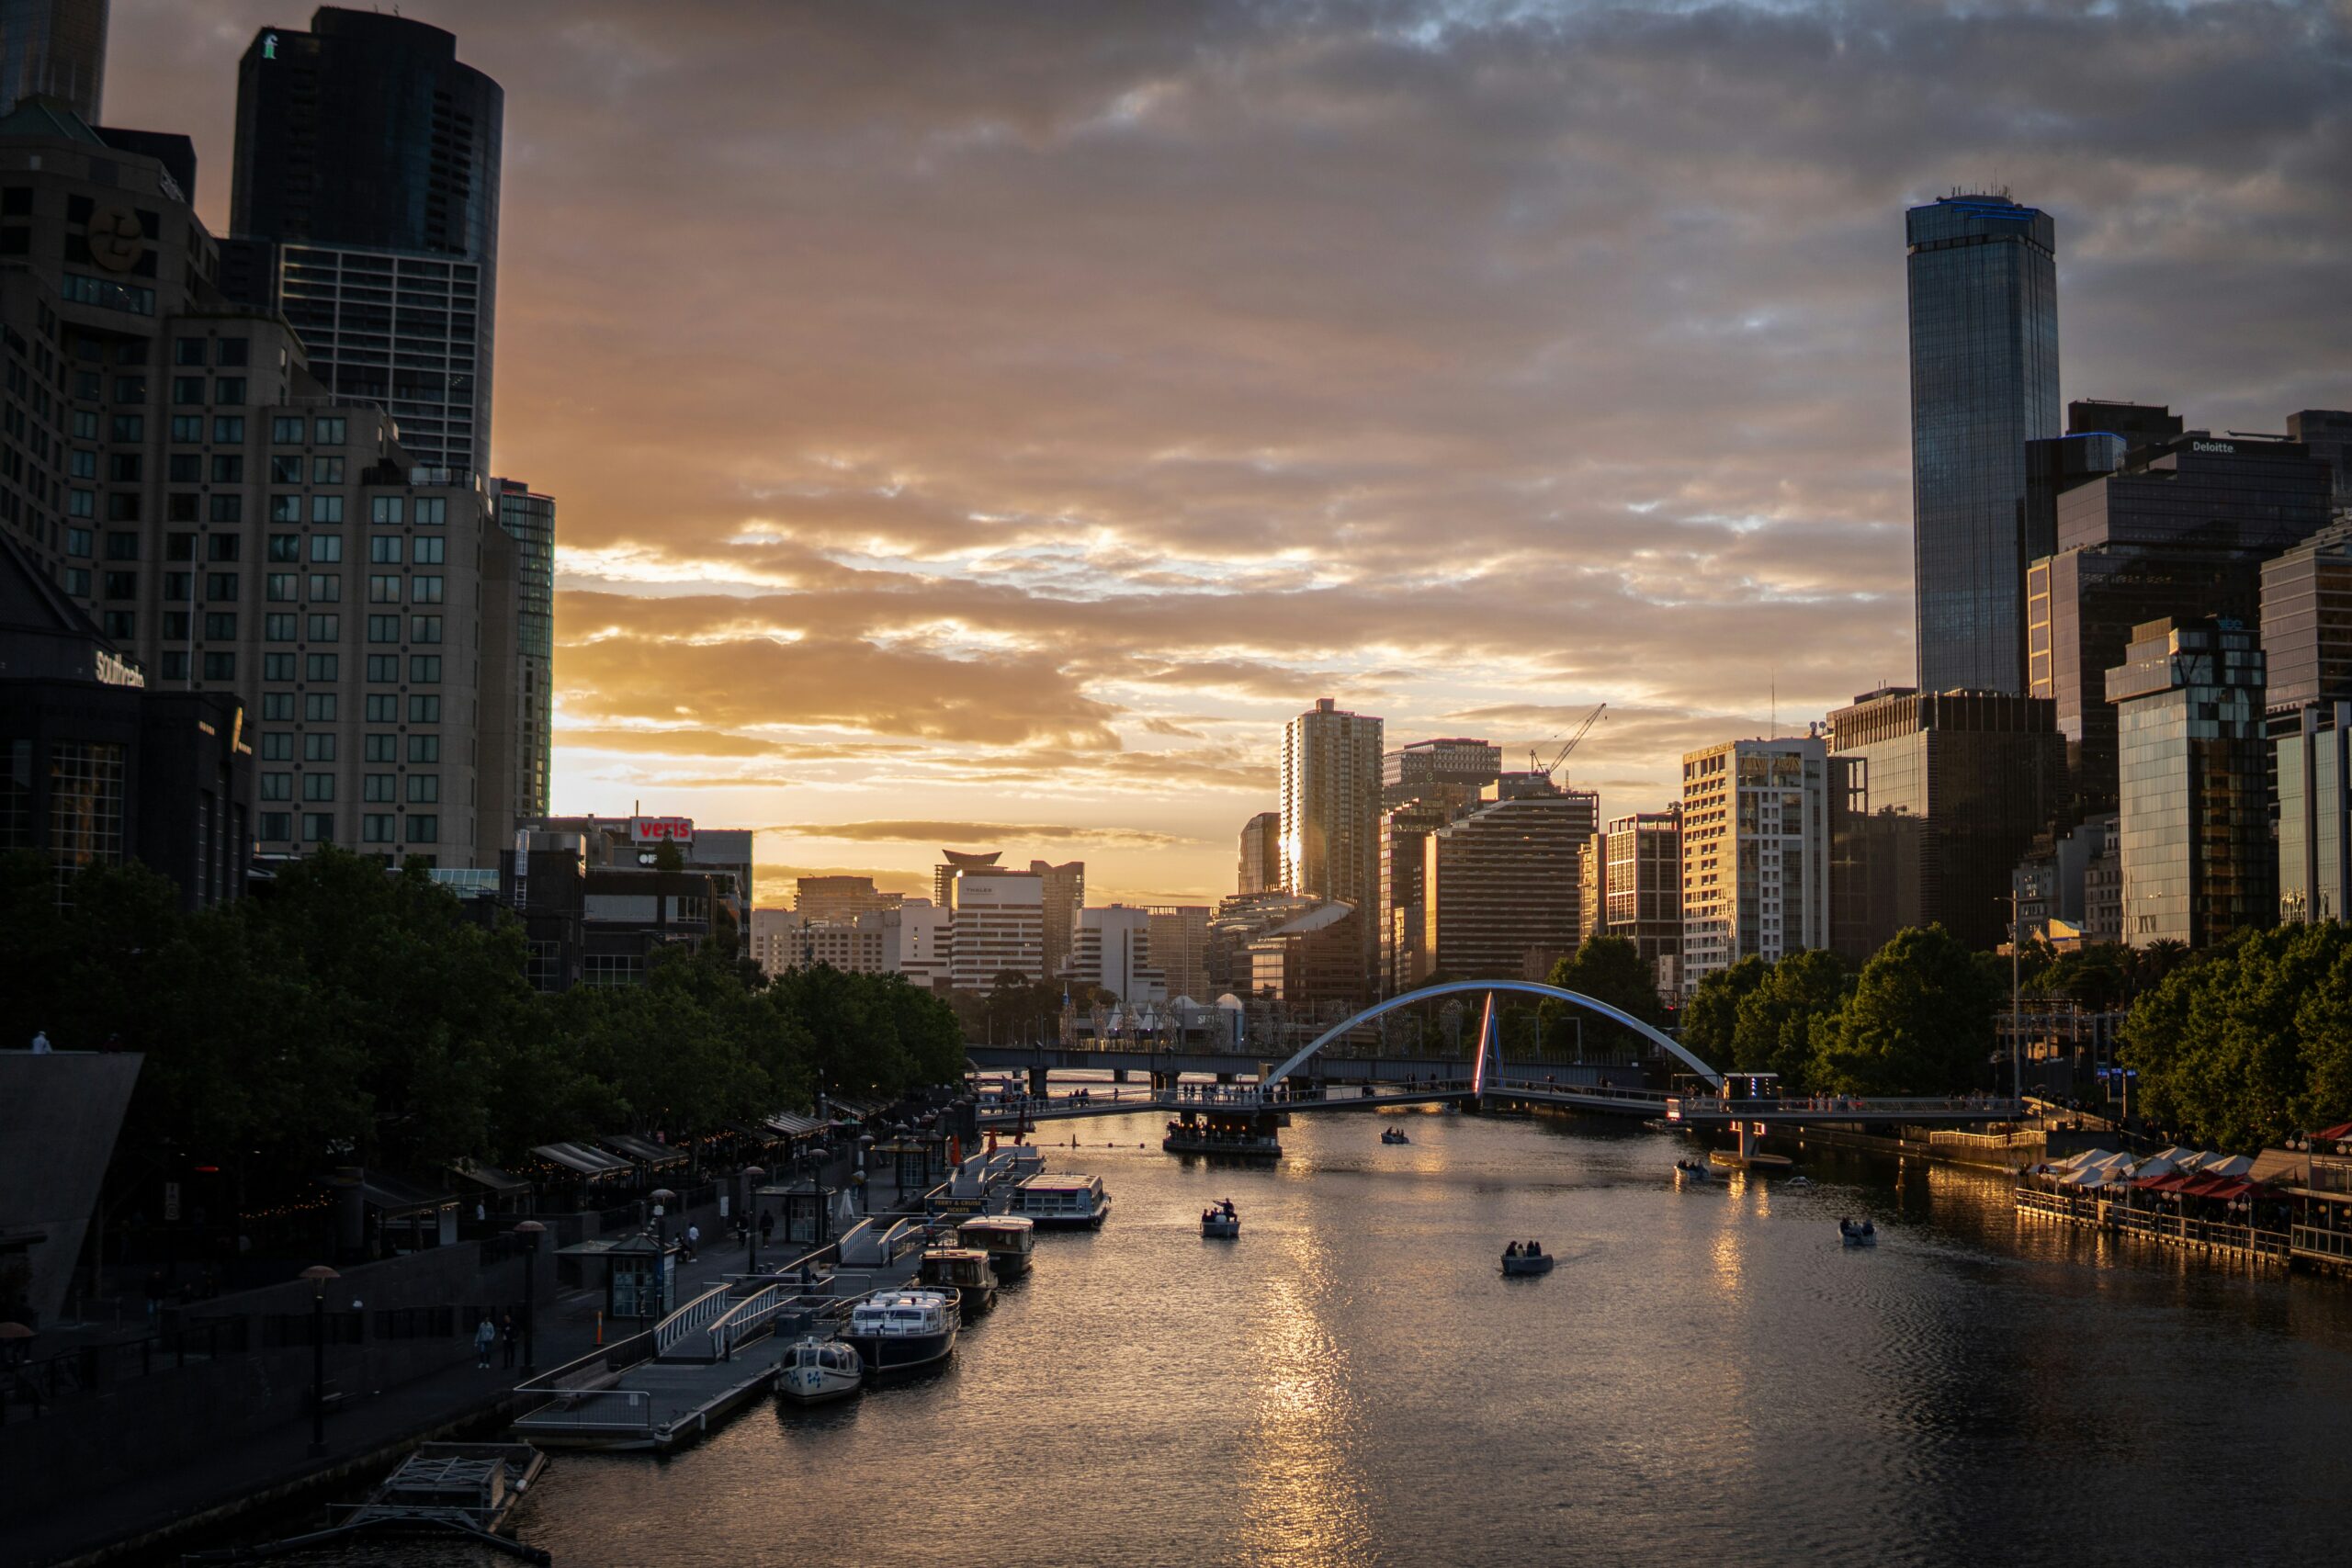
<point x="1063" y="1202"/>
<point x="966" y="1271"/>
<point x="1233" y="1133"/>
<point x="1008" y="1240"/>
<point x="902" y="1330"/>
<point x="816" y="1370"/>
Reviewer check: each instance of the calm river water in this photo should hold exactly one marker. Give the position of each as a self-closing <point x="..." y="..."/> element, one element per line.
<point x="1707" y="1374"/>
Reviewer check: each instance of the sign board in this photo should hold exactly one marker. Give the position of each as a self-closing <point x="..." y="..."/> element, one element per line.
<point x="172" y="1201"/>
<point x="679" y="830"/>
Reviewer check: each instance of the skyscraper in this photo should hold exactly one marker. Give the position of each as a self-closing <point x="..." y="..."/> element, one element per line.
<point x="1262" y="854"/>
<point x="1984" y="297"/>
<point x="53" y="49"/>
<point x="366" y="191"/>
<point x="1331" y="812"/>
<point x="1642" y="888"/>
<point x="1500" y="887"/>
<point x="518" y="640"/>
<point x="1064" y="895"/>
<point x="1410" y="772"/>
<point x="1755" y="854"/>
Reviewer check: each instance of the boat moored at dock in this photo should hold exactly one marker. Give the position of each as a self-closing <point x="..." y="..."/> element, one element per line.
<point x="1008" y="1240"/>
<point x="902" y="1330"/>
<point x="816" y="1370"/>
<point x="966" y="1271"/>
<point x="1063" y="1202"/>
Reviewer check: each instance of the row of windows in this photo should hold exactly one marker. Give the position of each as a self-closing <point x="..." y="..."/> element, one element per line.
<point x="277" y="746"/>
<point x="424" y="789"/>
<point x="318" y="827"/>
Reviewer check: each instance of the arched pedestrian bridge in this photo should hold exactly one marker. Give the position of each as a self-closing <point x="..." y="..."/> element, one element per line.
<point x="1322" y="1076"/>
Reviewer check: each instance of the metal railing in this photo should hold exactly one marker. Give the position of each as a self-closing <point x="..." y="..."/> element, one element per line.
<point x="748" y="1319"/>
<point x="43" y="1381"/>
<point x="696" y="1314"/>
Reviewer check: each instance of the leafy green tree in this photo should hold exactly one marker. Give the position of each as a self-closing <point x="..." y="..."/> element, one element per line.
<point x="1710" y="1016"/>
<point x="1608" y="969"/>
<point x="1773" y="1029"/>
<point x="1919" y="1021"/>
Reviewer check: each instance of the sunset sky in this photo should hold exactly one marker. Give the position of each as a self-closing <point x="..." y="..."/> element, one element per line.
<point x="984" y="424"/>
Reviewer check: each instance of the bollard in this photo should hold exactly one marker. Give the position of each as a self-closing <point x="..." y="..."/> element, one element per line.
<point x="600" y="1329"/>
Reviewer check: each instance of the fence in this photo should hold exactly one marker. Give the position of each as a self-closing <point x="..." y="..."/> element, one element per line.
<point x="91" y="1370"/>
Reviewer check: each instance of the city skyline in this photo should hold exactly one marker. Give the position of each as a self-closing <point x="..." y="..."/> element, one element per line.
<point x="1098" y="413"/>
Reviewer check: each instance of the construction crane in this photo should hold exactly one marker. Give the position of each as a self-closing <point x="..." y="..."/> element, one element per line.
<point x="1535" y="763"/>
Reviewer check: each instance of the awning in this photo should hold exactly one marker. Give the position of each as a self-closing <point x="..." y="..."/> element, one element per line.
<point x="586" y="1161"/>
<point x="489" y="1176"/>
<point x="793" y="1126"/>
<point x="759" y="1134"/>
<point x="2335" y="1134"/>
<point x="643" y="1151"/>
<point x="393" y="1195"/>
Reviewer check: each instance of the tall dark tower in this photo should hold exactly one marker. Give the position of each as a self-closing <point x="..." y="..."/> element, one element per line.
<point x="1983" y="288"/>
<point x="367" y="186"/>
<point x="54" y="49"/>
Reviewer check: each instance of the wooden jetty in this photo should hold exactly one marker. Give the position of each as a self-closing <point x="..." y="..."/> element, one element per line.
<point x="465" y="1490"/>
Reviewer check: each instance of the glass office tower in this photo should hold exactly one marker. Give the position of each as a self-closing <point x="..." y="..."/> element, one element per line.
<point x="1984" y="293"/>
<point x="365" y="205"/>
<point x="54" y="49"/>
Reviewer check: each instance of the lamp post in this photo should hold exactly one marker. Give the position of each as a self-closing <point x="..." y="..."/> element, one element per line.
<point x="530" y="1231"/>
<point x="752" y="1176"/>
<point x="319" y="1274"/>
<point x="663" y="1198"/>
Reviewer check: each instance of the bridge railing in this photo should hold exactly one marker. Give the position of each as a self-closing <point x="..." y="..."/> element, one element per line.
<point x="1877" y="1107"/>
<point x="692" y="1318"/>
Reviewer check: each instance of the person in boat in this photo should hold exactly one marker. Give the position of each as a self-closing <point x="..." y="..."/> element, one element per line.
<point x="1512" y="1251"/>
<point x="1534" y="1249"/>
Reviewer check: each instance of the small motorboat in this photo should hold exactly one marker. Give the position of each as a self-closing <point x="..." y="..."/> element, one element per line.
<point x="1858" y="1233"/>
<point x="1526" y="1257"/>
<point x="900" y="1330"/>
<point x="1695" y="1169"/>
<point x="1219" y="1221"/>
<point x="964" y="1271"/>
<point x="1393" y="1136"/>
<point x="816" y="1370"/>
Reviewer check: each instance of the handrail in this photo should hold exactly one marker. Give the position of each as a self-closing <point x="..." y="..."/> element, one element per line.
<point x="747" y="1318"/>
<point x="695" y="1315"/>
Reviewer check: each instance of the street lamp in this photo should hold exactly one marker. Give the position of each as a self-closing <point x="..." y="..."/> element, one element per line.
<point x="663" y="1198"/>
<point x="752" y="1176"/>
<point x="319" y="1274"/>
<point x="530" y="1231"/>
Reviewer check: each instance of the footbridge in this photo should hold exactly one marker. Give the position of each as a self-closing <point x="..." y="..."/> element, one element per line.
<point x="1307" y="1082"/>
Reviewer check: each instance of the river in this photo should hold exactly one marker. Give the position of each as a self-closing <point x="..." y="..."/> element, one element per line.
<point x="1706" y="1373"/>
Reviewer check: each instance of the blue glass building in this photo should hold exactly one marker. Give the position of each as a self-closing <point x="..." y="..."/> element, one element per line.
<point x="1984" y="297"/>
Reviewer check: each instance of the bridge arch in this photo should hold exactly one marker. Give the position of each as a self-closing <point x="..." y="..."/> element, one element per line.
<point x="1523" y="988"/>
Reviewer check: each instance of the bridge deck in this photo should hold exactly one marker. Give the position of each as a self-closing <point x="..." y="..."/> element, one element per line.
<point x="1696" y="1113"/>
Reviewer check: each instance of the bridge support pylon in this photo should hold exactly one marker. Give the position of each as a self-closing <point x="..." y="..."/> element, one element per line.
<point x="1118" y="1075"/>
<point x="1164" y="1083"/>
<point x="1040" y="1082"/>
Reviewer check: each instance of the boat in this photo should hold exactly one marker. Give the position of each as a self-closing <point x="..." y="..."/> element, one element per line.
<point x="460" y="1489"/>
<point x="966" y="1271"/>
<point x="1237" y="1133"/>
<point x="1063" y="1202"/>
<point x="1220" y="1223"/>
<point x="1526" y="1257"/>
<point x="903" y="1329"/>
<point x="1695" y="1169"/>
<point x="1393" y="1136"/>
<point x="1860" y="1233"/>
<point x="1008" y="1240"/>
<point x="816" y="1370"/>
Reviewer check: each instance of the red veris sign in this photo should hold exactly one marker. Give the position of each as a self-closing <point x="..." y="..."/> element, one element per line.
<point x="662" y="829"/>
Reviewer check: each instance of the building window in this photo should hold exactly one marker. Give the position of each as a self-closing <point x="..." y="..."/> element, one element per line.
<point x="384" y="588"/>
<point x="377" y="828"/>
<point x="278" y="787"/>
<point x="219" y="587"/>
<point x="318" y="747"/>
<point x="388" y="509"/>
<point x="227" y="469"/>
<point x="431" y="509"/>
<point x="187" y="390"/>
<point x="285" y="470"/>
<point x="229" y="389"/>
<point x="187" y="428"/>
<point x="319" y="708"/>
<point x="326" y="509"/>
<point x="319" y="666"/>
<point x="326" y="469"/>
<point x="224" y="546"/>
<point x="121" y="625"/>
<point x="318" y="827"/>
<point x="428" y="552"/>
<point x="279" y="626"/>
<point x="382" y="748"/>
<point x="219" y="666"/>
<point x="85" y="787"/>
<point x="424" y="789"/>
<point x="378" y="787"/>
<point x="286" y="429"/>
<point x="384" y="549"/>
<point x="123" y="547"/>
<point x="228" y="429"/>
<point x="121" y="585"/>
<point x="277" y="706"/>
<point x="330" y="430"/>
<point x="318" y="786"/>
<point x="383" y="628"/>
<point x="424" y="707"/>
<point x="425" y="669"/>
<point x="277" y="827"/>
<point x="276" y="746"/>
<point x="230" y="351"/>
<point x="221" y="625"/>
<point x="285" y="547"/>
<point x="228" y="508"/>
<point x="174" y="665"/>
<point x="424" y="628"/>
<point x="326" y="547"/>
<point x="278" y="588"/>
<point x="383" y="669"/>
<point x="126" y="426"/>
<point x="424" y="829"/>
<point x="286" y="509"/>
<point x="188" y="351"/>
<point x="424" y="748"/>
<point x="424" y="591"/>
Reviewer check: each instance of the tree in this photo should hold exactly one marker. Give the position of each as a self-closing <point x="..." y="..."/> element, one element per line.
<point x="1712" y="1015"/>
<point x="1608" y="969"/>
<point x="1919" y="1021"/>
<point x="1774" y="1026"/>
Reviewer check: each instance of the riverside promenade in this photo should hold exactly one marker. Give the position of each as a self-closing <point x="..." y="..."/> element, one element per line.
<point x="199" y="1502"/>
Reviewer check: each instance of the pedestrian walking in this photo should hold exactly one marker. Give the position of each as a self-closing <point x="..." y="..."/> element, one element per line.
<point x="485" y="1335"/>
<point x="155" y="1289"/>
<point x="767" y="1226"/>
<point x="40" y="1043"/>
<point x="506" y="1339"/>
<point x="694" y="1242"/>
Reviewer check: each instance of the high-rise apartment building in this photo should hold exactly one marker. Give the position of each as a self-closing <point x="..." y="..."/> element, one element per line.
<point x="1501" y="886"/>
<point x="1064" y="897"/>
<point x="1404" y="830"/>
<point x="1980" y="773"/>
<point x="1755" y="852"/>
<point x="1592" y="889"/>
<point x="2180" y="530"/>
<point x="1113" y="949"/>
<point x="996" y="926"/>
<point x="234" y="528"/>
<point x="839" y="898"/>
<point x="2196" y="852"/>
<point x="1411" y="773"/>
<point x="1984" y="312"/>
<point x="1642" y="888"/>
<point x="1262" y="854"/>
<point x="1180" y="937"/>
<point x="364" y="202"/>
<point x="53" y="49"/>
<point x="951" y="863"/>
<point x="518" y="624"/>
<point x="2327" y="434"/>
<point x="1331" y="813"/>
<point x="2307" y="658"/>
